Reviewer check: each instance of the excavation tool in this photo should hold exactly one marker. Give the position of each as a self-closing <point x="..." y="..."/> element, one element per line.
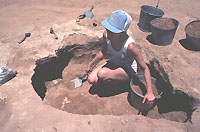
<point x="26" y="35"/>
<point x="52" y="32"/>
<point x="80" y="17"/>
<point x="79" y="81"/>
<point x="88" y="14"/>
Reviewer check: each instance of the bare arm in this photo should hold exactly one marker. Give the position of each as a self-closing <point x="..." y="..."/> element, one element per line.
<point x="138" y="57"/>
<point x="101" y="53"/>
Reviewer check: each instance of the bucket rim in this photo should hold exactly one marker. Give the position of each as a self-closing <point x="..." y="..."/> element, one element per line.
<point x="188" y="25"/>
<point x="174" y="20"/>
<point x="141" y="77"/>
<point x="152" y="13"/>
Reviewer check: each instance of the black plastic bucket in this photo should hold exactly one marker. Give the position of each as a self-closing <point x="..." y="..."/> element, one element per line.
<point x="192" y="39"/>
<point x="147" y="14"/>
<point x="136" y="98"/>
<point x="163" y="36"/>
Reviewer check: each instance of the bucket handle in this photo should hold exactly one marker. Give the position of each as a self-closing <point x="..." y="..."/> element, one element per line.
<point x="196" y="18"/>
<point x="157" y="3"/>
<point x="157" y="6"/>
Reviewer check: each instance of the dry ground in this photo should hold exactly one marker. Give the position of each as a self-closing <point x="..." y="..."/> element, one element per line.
<point x="22" y="110"/>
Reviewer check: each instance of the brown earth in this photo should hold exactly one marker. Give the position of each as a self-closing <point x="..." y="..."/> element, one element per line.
<point x="141" y="88"/>
<point x="164" y="24"/>
<point x="193" y="29"/>
<point x="88" y="108"/>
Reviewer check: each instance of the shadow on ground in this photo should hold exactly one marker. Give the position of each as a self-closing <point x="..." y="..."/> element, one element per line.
<point x="187" y="45"/>
<point x="48" y="69"/>
<point x="51" y="67"/>
<point x="150" y="39"/>
<point x="107" y="90"/>
<point x="172" y="100"/>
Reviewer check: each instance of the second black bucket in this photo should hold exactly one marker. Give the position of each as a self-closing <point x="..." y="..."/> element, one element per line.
<point x="147" y="14"/>
<point x="193" y="38"/>
<point x="163" y="36"/>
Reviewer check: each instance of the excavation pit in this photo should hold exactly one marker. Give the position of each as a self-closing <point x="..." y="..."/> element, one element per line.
<point x="52" y="76"/>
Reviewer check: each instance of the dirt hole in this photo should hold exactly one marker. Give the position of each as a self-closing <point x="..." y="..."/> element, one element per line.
<point x="52" y="76"/>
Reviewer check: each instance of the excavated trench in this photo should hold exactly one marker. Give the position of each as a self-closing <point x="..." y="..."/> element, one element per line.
<point x="51" y="81"/>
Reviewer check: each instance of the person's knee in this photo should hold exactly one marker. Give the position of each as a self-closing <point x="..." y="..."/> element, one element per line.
<point x="101" y="74"/>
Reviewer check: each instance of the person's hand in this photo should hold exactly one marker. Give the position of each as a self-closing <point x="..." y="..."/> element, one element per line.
<point x="150" y="97"/>
<point x="150" y="101"/>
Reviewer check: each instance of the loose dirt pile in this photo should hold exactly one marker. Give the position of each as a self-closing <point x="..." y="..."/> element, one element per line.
<point x="164" y="23"/>
<point x="193" y="29"/>
<point x="141" y="88"/>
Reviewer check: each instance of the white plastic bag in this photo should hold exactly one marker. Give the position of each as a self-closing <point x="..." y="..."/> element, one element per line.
<point x="6" y="74"/>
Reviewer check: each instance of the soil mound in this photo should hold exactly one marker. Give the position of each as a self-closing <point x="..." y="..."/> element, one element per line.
<point x="193" y="29"/>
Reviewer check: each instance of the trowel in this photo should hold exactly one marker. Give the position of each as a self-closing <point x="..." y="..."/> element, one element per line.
<point x="26" y="35"/>
<point x="52" y="32"/>
<point x="88" y="14"/>
<point x="79" y="80"/>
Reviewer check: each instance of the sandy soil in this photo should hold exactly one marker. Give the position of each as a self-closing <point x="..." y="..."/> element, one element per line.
<point x="87" y="109"/>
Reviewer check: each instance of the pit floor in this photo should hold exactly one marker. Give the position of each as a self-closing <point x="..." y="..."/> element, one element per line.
<point x="87" y="100"/>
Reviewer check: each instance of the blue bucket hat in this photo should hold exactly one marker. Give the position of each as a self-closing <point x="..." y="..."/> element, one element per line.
<point x="118" y="22"/>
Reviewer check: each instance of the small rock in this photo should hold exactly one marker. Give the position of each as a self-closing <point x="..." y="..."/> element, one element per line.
<point x="122" y="122"/>
<point x="94" y="24"/>
<point x="182" y="78"/>
<point x="89" y="122"/>
<point x="55" y="129"/>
